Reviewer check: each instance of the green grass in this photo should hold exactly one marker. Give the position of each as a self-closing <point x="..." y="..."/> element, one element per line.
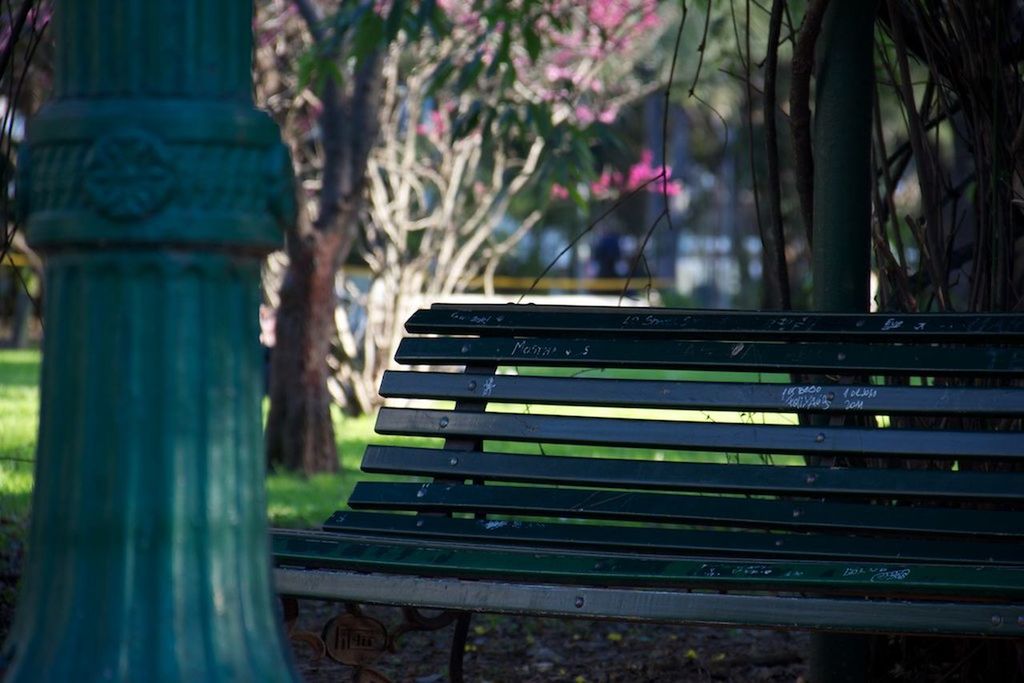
<point x="19" y="416"/>
<point x="296" y="501"/>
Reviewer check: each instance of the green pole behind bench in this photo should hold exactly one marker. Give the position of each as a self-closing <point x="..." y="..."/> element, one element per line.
<point x="153" y="188"/>
<point x="845" y="90"/>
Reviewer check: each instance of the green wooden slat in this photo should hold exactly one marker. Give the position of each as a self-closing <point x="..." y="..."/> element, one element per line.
<point x="888" y="614"/>
<point x="672" y="541"/>
<point x="723" y="437"/>
<point x="441" y="559"/>
<point x="844" y="614"/>
<point x="526" y="320"/>
<point x="684" y="509"/>
<point x="680" y="476"/>
<point x="742" y="396"/>
<point x="842" y="358"/>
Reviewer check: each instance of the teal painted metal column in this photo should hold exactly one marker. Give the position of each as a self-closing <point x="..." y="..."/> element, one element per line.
<point x="841" y="261"/>
<point x="845" y="80"/>
<point x="154" y="188"/>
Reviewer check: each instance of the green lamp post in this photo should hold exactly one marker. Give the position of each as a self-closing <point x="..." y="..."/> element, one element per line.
<point x="153" y="188"/>
<point x="842" y="157"/>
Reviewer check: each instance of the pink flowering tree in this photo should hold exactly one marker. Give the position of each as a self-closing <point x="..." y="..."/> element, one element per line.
<point x="642" y="175"/>
<point x="414" y="126"/>
<point x="476" y="103"/>
<point x="439" y="191"/>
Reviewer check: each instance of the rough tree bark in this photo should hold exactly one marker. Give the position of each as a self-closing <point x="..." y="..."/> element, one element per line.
<point x="300" y="434"/>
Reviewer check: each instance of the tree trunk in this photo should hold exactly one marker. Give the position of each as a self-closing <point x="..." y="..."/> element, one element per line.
<point x="300" y="434"/>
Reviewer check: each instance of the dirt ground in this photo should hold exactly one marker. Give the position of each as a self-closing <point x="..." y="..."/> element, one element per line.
<point x="503" y="649"/>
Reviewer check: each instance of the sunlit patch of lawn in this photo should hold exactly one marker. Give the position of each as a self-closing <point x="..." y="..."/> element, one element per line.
<point x="19" y="419"/>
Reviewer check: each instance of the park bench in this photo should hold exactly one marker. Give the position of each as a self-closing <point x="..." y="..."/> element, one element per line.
<point x="834" y="472"/>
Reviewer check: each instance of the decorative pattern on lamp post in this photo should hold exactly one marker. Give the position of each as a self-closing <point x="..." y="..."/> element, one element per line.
<point x="154" y="188"/>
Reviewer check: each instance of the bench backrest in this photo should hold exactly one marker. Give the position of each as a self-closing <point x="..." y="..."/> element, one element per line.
<point x="864" y="437"/>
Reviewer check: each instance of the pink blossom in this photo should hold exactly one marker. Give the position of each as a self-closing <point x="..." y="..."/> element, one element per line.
<point x="608" y="115"/>
<point x="606" y="184"/>
<point x="649" y="21"/>
<point x="554" y="72"/>
<point x="559" y="191"/>
<point x="642" y="173"/>
<point x="435" y="125"/>
<point x="585" y="114"/>
<point x="672" y="188"/>
<point x="602" y="186"/>
<point x="438" y="122"/>
<point x="608" y="14"/>
<point x="643" y="170"/>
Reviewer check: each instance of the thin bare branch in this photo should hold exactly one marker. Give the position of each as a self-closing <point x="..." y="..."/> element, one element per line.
<point x="774" y="238"/>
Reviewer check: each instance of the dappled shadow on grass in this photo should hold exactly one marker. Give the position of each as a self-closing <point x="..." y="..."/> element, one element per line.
<point x="299" y="502"/>
<point x="16" y="480"/>
<point x="19" y="368"/>
<point x="295" y="501"/>
<point x="15" y="505"/>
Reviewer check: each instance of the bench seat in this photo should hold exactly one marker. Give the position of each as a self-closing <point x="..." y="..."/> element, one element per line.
<point x="487" y="577"/>
<point x="831" y="472"/>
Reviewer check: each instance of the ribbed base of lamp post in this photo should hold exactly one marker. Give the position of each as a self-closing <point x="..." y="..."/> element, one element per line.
<point x="148" y="554"/>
